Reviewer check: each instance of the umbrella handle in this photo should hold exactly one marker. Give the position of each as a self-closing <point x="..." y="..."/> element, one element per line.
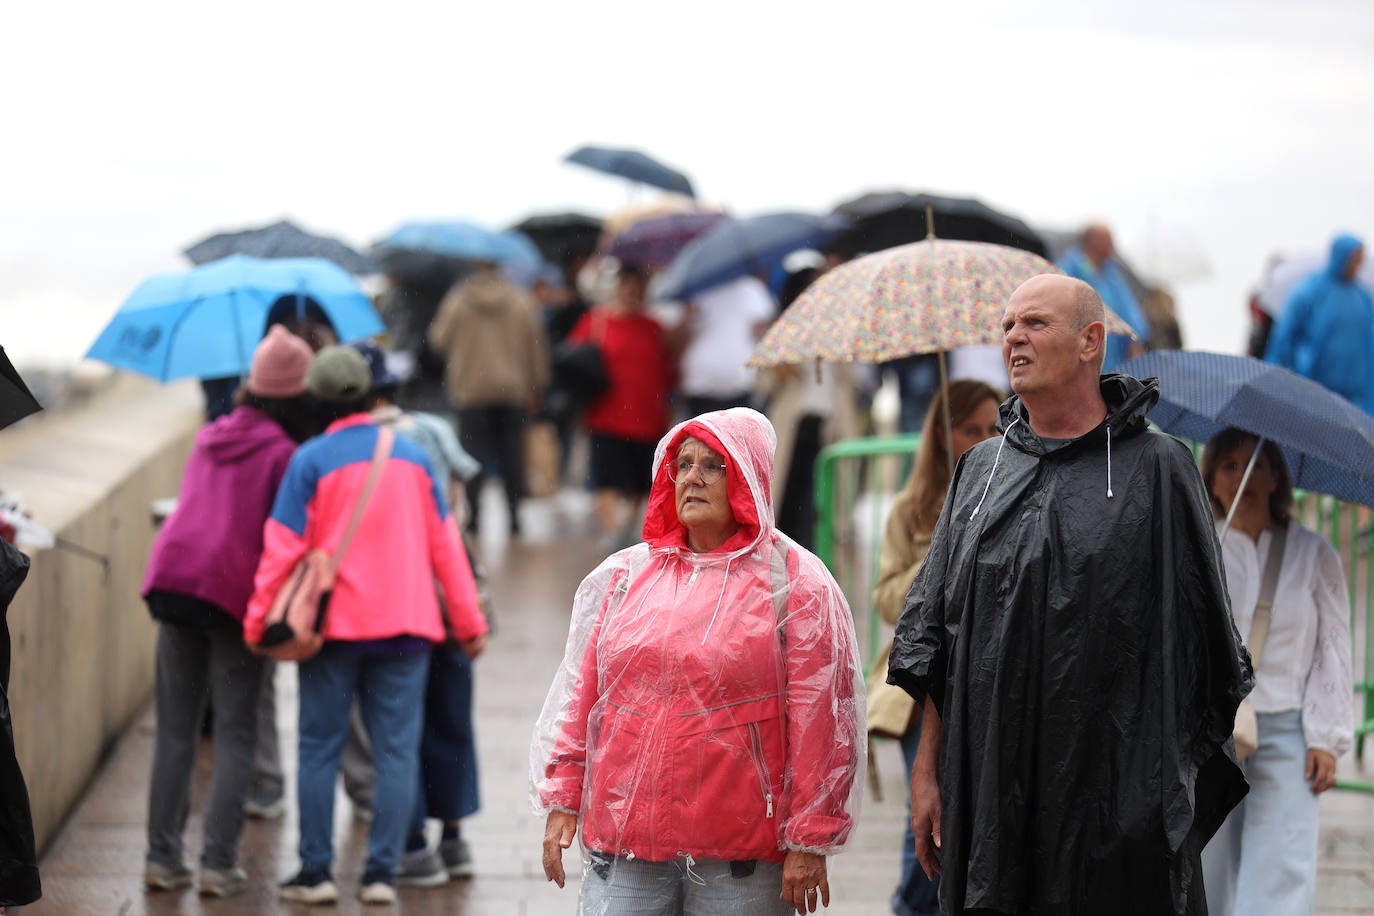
<point x="1244" y="479"/>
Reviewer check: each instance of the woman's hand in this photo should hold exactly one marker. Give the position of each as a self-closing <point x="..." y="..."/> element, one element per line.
<point x="804" y="882"/>
<point x="559" y="831"/>
<point x="473" y="647"/>
<point x="1320" y="770"/>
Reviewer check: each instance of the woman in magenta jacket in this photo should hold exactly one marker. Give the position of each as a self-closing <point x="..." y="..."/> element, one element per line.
<point x="704" y="731"/>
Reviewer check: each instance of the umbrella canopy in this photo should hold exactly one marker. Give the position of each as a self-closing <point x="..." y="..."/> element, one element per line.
<point x="560" y="236"/>
<point x="744" y="247"/>
<point x="435" y="254"/>
<point x="1327" y="441"/>
<point x="457" y="239"/>
<point x="885" y="219"/>
<point x="16" y="401"/>
<point x="925" y="297"/>
<point x="632" y="164"/>
<point x="205" y="322"/>
<point x="1287" y="272"/>
<point x="653" y="243"/>
<point x="279" y="240"/>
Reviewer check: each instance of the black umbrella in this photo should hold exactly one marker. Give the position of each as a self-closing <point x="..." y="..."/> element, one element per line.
<point x="279" y="240"/>
<point x="16" y="401"/>
<point x="560" y="236"/>
<point x="886" y="219"/>
<point x="634" y="165"/>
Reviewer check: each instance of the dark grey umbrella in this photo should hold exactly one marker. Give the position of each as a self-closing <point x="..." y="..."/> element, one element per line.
<point x="16" y="401"/>
<point x="279" y="240"/>
<point x="560" y="236"/>
<point x="634" y="165"/>
<point x="886" y="219"/>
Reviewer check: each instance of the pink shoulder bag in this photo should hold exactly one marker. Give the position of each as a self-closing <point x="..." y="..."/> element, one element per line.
<point x="294" y="633"/>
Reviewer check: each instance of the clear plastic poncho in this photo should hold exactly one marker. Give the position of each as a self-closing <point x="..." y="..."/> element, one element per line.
<point x="709" y="706"/>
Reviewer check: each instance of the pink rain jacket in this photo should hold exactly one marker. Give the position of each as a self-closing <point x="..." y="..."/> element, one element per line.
<point x="709" y="705"/>
<point x="405" y="540"/>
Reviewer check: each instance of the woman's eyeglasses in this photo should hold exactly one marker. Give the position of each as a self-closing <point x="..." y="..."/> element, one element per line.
<point x="708" y="472"/>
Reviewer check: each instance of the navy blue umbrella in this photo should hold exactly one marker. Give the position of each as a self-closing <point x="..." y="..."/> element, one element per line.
<point x="1327" y="441"/>
<point x="632" y="164"/>
<point x="745" y="247"/>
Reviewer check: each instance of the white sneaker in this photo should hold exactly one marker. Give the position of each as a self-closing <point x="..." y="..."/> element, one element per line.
<point x="378" y="893"/>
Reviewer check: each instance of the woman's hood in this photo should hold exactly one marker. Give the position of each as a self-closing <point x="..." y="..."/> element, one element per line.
<point x="748" y="442"/>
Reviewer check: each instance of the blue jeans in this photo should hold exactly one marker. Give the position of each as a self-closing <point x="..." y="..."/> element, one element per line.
<point x="448" y="749"/>
<point x="390" y="689"/>
<point x="1263" y="860"/>
<point x="917" y="895"/>
<point x="617" y="886"/>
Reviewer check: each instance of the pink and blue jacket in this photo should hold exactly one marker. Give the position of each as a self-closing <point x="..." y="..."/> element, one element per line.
<point x="405" y="541"/>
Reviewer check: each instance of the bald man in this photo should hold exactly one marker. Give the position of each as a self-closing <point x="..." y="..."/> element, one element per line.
<point x="1070" y="641"/>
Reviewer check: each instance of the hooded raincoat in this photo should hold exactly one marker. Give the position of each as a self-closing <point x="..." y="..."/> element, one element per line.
<point x="1326" y="330"/>
<point x="1072" y="625"/>
<point x="709" y="705"/>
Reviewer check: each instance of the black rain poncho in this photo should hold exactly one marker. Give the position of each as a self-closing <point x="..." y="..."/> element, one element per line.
<point x="1072" y="624"/>
<point x="18" y="864"/>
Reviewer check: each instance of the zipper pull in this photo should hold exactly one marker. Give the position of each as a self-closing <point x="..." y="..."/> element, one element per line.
<point x="769" y="799"/>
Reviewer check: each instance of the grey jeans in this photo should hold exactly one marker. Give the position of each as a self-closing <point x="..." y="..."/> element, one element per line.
<point x="268" y="779"/>
<point x="196" y="665"/>
<point x="620" y="886"/>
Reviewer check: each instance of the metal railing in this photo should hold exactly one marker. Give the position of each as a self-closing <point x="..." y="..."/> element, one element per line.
<point x="857" y="479"/>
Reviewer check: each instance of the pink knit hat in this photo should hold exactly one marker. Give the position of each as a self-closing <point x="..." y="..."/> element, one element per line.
<point x="279" y="365"/>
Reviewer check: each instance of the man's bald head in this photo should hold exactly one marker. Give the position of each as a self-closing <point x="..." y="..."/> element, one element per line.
<point x="1080" y="301"/>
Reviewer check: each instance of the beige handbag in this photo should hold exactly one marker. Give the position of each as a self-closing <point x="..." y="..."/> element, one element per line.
<point x="1247" y="725"/>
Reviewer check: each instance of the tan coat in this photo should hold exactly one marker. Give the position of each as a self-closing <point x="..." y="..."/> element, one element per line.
<point x="904" y="550"/>
<point x="490" y="332"/>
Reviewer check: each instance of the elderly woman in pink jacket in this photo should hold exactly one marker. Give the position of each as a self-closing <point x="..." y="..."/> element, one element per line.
<point x="704" y="731"/>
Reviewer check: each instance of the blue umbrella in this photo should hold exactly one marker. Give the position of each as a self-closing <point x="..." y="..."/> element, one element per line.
<point x="206" y="322"/>
<point x="1327" y="442"/>
<point x="518" y="252"/>
<point x="745" y="247"/>
<point x="632" y="164"/>
<point x="457" y="239"/>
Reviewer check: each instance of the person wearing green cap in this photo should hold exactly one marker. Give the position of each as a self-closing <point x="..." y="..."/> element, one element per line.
<point x="382" y="618"/>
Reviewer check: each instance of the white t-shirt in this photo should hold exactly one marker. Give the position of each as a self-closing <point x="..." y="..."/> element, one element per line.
<point x="722" y="338"/>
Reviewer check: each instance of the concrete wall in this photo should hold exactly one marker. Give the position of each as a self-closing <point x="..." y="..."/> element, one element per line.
<point x="82" y="638"/>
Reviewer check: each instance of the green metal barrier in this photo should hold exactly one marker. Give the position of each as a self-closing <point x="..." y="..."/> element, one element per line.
<point x="867" y="472"/>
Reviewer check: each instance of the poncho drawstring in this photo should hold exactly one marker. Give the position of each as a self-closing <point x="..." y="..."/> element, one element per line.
<point x="993" y="472"/>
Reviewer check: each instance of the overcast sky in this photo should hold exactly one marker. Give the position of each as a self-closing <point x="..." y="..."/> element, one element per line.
<point x="1208" y="134"/>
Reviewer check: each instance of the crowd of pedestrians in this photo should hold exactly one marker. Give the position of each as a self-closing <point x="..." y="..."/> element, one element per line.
<point x="313" y="465"/>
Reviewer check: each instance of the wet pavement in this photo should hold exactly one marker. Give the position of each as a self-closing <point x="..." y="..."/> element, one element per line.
<point x="95" y="865"/>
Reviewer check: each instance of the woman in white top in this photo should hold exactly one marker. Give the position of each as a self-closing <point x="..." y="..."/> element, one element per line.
<point x="1264" y="857"/>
